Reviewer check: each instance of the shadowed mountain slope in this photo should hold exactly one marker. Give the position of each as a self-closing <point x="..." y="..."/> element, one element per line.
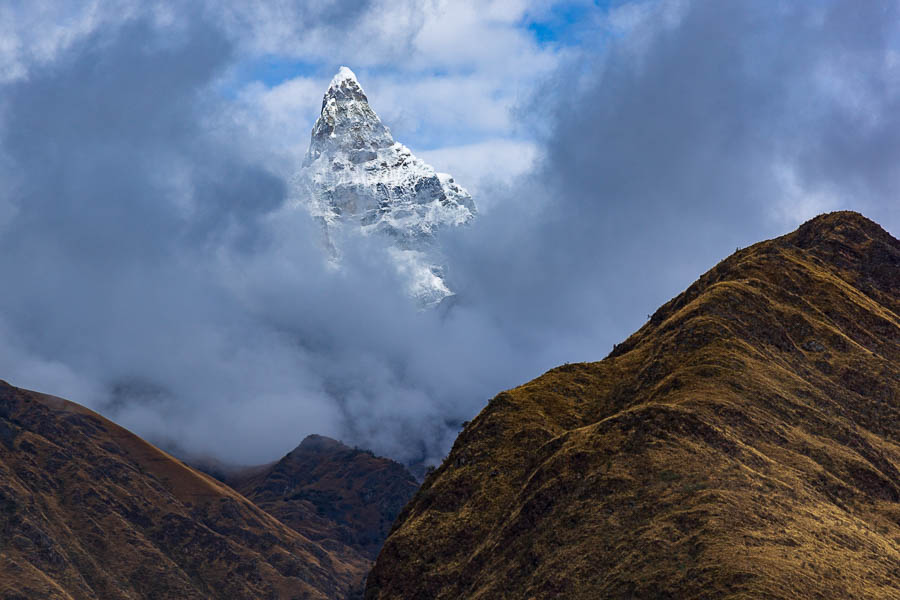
<point x="89" y="510"/>
<point x="331" y="493"/>
<point x="742" y="444"/>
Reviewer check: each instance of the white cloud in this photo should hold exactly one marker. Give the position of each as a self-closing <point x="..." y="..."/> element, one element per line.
<point x="225" y="306"/>
<point x="275" y="123"/>
<point x="36" y="32"/>
<point x="798" y="203"/>
<point x="484" y="165"/>
<point x="442" y="108"/>
<point x="464" y="68"/>
<point x="323" y="31"/>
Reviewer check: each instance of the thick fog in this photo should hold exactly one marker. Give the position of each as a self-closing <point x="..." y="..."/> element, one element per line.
<point x="154" y="268"/>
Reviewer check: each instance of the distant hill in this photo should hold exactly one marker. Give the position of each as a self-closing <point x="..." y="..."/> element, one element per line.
<point x="744" y="443"/>
<point x="89" y="510"/>
<point x="331" y="493"/>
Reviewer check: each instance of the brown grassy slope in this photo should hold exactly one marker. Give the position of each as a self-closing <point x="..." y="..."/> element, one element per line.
<point x="330" y="493"/>
<point x="742" y="444"/>
<point x="89" y="510"/>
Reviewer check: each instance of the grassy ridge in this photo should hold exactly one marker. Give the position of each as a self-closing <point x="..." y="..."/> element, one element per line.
<point x="742" y="444"/>
<point x="88" y="510"/>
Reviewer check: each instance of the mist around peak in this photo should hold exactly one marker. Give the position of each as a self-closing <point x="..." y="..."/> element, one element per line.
<point x="155" y="268"/>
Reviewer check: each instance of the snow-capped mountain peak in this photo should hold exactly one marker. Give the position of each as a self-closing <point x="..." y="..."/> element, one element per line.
<point x="355" y="173"/>
<point x="347" y="122"/>
<point x="344" y="74"/>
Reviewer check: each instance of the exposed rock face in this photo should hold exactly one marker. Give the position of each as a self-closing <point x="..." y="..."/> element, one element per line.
<point x="356" y="174"/>
<point x="331" y="493"/>
<point x="90" y="511"/>
<point x="744" y="443"/>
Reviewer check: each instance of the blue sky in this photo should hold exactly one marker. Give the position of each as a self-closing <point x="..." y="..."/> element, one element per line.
<point x="559" y="24"/>
<point x="272" y="70"/>
<point x="562" y="24"/>
<point x="487" y="62"/>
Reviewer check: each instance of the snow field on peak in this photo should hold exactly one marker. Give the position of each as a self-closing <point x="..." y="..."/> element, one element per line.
<point x="355" y="173"/>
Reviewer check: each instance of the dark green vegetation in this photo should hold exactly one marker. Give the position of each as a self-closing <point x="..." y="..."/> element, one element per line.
<point x="742" y="444"/>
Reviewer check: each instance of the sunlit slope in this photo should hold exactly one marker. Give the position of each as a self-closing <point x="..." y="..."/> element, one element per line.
<point x="742" y="444"/>
<point x="89" y="510"/>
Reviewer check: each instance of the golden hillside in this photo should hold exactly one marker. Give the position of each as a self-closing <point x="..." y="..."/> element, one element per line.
<point x="744" y="443"/>
<point x="90" y="511"/>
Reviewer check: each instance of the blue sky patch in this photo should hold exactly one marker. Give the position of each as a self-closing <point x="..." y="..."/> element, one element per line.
<point x="565" y="21"/>
<point x="272" y="70"/>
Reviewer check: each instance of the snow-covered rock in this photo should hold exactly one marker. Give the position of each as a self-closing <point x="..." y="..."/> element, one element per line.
<point x="355" y="173"/>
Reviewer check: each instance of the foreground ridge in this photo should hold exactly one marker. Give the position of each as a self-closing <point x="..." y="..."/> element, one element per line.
<point x="88" y="510"/>
<point x="742" y="444"/>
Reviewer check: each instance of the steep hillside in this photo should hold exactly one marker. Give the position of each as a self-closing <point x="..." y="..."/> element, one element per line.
<point x="331" y="493"/>
<point x="744" y="443"/>
<point x="89" y="510"/>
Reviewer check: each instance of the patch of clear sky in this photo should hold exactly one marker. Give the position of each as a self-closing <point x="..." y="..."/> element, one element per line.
<point x="563" y="25"/>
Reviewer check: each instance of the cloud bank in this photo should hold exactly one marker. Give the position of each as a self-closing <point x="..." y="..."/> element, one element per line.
<point x="153" y="272"/>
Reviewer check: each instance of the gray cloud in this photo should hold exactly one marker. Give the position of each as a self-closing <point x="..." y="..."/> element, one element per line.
<point x="711" y="125"/>
<point x="158" y="278"/>
<point x="152" y="271"/>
